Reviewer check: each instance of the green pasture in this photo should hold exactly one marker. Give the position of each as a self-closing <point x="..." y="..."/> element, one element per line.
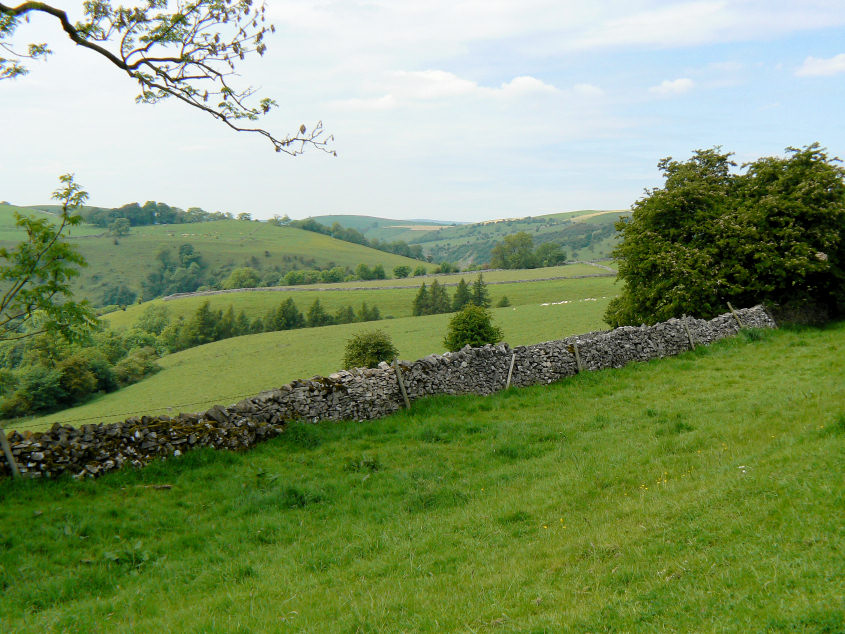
<point x="701" y="493"/>
<point x="393" y="302"/>
<point x="10" y="234"/>
<point x="230" y="243"/>
<point x="226" y="371"/>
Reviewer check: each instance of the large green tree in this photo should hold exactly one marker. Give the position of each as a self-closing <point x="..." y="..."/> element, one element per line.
<point x="188" y="50"/>
<point x="773" y="232"/>
<point x="35" y="275"/>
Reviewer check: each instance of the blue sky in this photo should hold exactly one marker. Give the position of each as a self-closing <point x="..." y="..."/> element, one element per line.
<point x="452" y="110"/>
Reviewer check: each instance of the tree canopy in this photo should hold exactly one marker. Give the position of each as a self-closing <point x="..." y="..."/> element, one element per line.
<point x="188" y="50"/>
<point x="773" y="232"/>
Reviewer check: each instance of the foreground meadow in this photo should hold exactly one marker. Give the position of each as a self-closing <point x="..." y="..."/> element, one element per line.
<point x="698" y="493"/>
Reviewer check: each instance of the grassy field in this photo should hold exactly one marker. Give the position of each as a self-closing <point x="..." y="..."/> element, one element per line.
<point x="10" y="234"/>
<point x="394" y="302"/>
<point x="701" y="493"/>
<point x="226" y="371"/>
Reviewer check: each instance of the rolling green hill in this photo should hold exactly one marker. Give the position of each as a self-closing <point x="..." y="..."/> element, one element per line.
<point x="701" y="493"/>
<point x="223" y="245"/>
<point x="585" y="235"/>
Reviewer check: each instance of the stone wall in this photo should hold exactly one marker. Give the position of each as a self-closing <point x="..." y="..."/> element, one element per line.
<point x="359" y="394"/>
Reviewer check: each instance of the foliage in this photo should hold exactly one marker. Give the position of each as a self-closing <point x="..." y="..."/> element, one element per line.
<point x="517" y="251"/>
<point x="472" y="326"/>
<point x="462" y="296"/>
<point x="150" y="213"/>
<point x="317" y="315"/>
<point x="503" y="302"/>
<point x="117" y="294"/>
<point x="135" y="366"/>
<point x="119" y="227"/>
<point x="35" y="275"/>
<point x="189" y="52"/>
<point x="419" y="270"/>
<point x="479" y="295"/>
<point x="709" y="236"/>
<point x="154" y="319"/>
<point x="244" y="277"/>
<point x="368" y="349"/>
<point x="401" y="271"/>
<point x="346" y="234"/>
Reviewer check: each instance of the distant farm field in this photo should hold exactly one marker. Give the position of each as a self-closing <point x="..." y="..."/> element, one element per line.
<point x="393" y="302"/>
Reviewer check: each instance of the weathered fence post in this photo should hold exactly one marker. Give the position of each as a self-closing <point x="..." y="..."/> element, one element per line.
<point x="510" y="371"/>
<point x="689" y="334"/>
<point x="738" y="320"/>
<point x="578" y="363"/>
<point x="7" y="451"/>
<point x="401" y="383"/>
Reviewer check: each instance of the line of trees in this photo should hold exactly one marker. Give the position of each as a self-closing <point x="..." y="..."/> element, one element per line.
<point x="150" y="213"/>
<point x="156" y="328"/>
<point x="435" y="299"/>
<point x="399" y="247"/>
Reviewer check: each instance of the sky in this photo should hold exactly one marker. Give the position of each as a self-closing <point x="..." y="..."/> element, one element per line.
<point x="455" y="110"/>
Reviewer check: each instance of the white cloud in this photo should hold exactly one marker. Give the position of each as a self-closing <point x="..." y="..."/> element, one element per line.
<point x="524" y="85"/>
<point x="673" y="86"/>
<point x="817" y="66"/>
<point x="587" y="90"/>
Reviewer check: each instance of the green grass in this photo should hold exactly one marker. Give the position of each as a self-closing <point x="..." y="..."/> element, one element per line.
<point x="700" y="493"/>
<point x="393" y="302"/>
<point x="226" y="371"/>
<point x="11" y="234"/>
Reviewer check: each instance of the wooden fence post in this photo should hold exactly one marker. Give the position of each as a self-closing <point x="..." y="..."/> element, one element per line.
<point x="7" y="451"/>
<point x="578" y="363"/>
<point x="689" y="334"/>
<point x="738" y="320"/>
<point x="401" y="383"/>
<point x="510" y="371"/>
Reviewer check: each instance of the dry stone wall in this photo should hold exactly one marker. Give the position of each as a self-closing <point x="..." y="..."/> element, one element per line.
<point x="359" y="394"/>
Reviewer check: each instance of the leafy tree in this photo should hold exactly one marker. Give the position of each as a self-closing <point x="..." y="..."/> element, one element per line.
<point x="420" y="270"/>
<point x="462" y="296"/>
<point x="401" y="271"/>
<point x="368" y="349"/>
<point x="117" y="295"/>
<point x="365" y="313"/>
<point x="154" y="319"/>
<point x="244" y="216"/>
<point x="479" y="295"/>
<point x="35" y="275"/>
<point x="472" y="326"/>
<point x="244" y="277"/>
<point x="516" y="251"/>
<point x="379" y="273"/>
<point x="774" y="234"/>
<point x="363" y="272"/>
<point x="190" y="53"/>
<point x="119" y="227"/>
<point x="549" y="254"/>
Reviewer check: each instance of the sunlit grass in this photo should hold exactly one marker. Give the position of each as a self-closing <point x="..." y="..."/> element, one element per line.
<point x="700" y="493"/>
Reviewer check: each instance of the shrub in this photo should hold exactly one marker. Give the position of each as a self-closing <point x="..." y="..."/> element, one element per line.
<point x="136" y="366"/>
<point x="401" y="271"/>
<point x="367" y="349"/>
<point x="77" y="380"/>
<point x="244" y="277"/>
<point x="472" y="326"/>
<point x="504" y="302"/>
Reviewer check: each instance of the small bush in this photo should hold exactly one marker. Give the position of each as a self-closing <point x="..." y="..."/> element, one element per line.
<point x="367" y="349"/>
<point x="504" y="302"/>
<point x="136" y="366"/>
<point x="472" y="326"/>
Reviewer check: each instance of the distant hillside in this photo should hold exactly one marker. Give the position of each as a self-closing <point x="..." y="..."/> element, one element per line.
<point x="585" y="234"/>
<point x="386" y="229"/>
<point x="220" y="245"/>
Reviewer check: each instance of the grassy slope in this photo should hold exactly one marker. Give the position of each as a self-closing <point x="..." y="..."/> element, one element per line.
<point x="701" y="493"/>
<point x="472" y="243"/>
<point x="395" y="302"/>
<point x="226" y="371"/>
<point x="226" y="242"/>
<point x="10" y="234"/>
